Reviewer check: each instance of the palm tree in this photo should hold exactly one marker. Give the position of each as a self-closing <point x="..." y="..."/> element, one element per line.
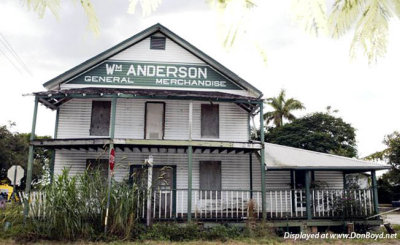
<point x="282" y="109"/>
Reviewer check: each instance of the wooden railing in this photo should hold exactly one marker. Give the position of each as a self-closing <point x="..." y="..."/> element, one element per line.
<point x="244" y="204"/>
<point x="214" y="205"/>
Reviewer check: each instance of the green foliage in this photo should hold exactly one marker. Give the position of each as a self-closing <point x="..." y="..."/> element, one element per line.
<point x="317" y="132"/>
<point x="346" y="205"/>
<point x="14" y="151"/>
<point x="282" y="109"/>
<point x="73" y="207"/>
<point x="389" y="182"/>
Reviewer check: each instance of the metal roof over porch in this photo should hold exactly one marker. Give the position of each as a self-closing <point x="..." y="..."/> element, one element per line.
<point x="285" y="157"/>
<point x="53" y="99"/>
<point x="96" y="143"/>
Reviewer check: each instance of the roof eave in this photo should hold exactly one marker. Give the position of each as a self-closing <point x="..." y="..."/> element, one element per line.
<point x="51" y="84"/>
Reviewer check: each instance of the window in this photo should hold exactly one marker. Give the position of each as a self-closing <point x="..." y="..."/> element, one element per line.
<point x="210" y="179"/>
<point x="209" y="121"/>
<point x="98" y="164"/>
<point x="300" y="178"/>
<point x="157" y="43"/>
<point x="100" y="120"/>
<point x="154" y="122"/>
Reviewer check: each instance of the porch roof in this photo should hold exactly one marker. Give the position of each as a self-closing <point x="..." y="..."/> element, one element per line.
<point x="285" y="157"/>
<point x="55" y="98"/>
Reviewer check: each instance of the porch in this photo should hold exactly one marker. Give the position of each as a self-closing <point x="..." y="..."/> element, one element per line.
<point x="242" y="205"/>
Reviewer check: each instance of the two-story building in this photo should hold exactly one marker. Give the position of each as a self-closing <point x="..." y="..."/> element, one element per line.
<point x="157" y="96"/>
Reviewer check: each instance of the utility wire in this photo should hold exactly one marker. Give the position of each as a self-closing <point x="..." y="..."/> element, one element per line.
<point x="14" y="54"/>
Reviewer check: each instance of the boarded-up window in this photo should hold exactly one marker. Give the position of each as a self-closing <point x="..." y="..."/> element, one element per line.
<point x="210" y="179"/>
<point x="100" y="121"/>
<point x="154" y="128"/>
<point x="100" y="165"/>
<point x="157" y="43"/>
<point x="209" y="121"/>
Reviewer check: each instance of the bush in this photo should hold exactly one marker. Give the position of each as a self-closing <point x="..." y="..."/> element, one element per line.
<point x="74" y="207"/>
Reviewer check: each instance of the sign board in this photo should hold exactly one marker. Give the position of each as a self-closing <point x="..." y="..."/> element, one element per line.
<point x="16" y="172"/>
<point x="140" y="74"/>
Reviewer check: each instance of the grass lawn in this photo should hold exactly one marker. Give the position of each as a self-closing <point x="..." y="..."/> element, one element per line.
<point x="276" y="240"/>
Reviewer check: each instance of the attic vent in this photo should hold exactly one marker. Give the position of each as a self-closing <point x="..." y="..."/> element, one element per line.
<point x="157" y="43"/>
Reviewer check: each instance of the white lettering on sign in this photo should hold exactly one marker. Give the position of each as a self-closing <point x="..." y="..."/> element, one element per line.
<point x="108" y="79"/>
<point x="156" y="74"/>
<point x="192" y="83"/>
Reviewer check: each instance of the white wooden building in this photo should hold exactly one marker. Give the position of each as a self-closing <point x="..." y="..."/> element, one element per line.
<point x="157" y="95"/>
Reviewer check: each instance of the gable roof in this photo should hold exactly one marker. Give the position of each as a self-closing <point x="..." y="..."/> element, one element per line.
<point x="285" y="157"/>
<point x="139" y="37"/>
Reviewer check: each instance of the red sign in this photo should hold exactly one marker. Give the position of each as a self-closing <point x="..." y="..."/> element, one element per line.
<point x="112" y="159"/>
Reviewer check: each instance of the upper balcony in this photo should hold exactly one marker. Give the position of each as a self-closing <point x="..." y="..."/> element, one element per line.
<point x="151" y="115"/>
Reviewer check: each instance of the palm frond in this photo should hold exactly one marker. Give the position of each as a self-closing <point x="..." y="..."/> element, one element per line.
<point x="148" y="6"/>
<point x="293" y="104"/>
<point x="311" y="14"/>
<point x="344" y="15"/>
<point x="372" y="31"/>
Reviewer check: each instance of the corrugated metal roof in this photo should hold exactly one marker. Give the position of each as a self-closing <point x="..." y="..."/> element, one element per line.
<point x="285" y="157"/>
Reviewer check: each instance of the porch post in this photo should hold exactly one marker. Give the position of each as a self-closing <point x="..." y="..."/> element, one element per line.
<point x="263" y="195"/>
<point x="190" y="165"/>
<point x="53" y="157"/>
<point x="308" y="194"/>
<point x="375" y="192"/>
<point x="251" y="174"/>
<point x="112" y="131"/>
<point x="30" y="160"/>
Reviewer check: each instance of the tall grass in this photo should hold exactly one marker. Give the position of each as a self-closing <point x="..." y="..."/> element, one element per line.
<point x="73" y="207"/>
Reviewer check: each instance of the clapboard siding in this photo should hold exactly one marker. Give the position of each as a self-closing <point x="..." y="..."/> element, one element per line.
<point x="273" y="179"/>
<point x="129" y="121"/>
<point x="75" y="116"/>
<point x="74" y="119"/>
<point x="172" y="53"/>
<point x="334" y="179"/>
<point x="234" y="167"/>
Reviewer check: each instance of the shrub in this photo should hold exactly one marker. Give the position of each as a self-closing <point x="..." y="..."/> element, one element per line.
<point x="74" y="207"/>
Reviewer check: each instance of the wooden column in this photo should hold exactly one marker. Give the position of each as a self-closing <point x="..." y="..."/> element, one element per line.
<point x="29" y="166"/>
<point x="262" y="154"/>
<point x="111" y="133"/>
<point x="375" y="192"/>
<point x="53" y="157"/>
<point x="308" y="194"/>
<point x="190" y="165"/>
<point x="251" y="173"/>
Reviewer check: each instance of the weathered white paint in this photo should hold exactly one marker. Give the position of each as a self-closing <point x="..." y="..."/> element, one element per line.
<point x="234" y="167"/>
<point x="173" y="53"/>
<point x="333" y="179"/>
<point x="74" y="120"/>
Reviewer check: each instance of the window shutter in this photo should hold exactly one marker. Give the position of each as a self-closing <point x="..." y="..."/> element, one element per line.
<point x="209" y="121"/>
<point x="157" y="43"/>
<point x="100" y="120"/>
